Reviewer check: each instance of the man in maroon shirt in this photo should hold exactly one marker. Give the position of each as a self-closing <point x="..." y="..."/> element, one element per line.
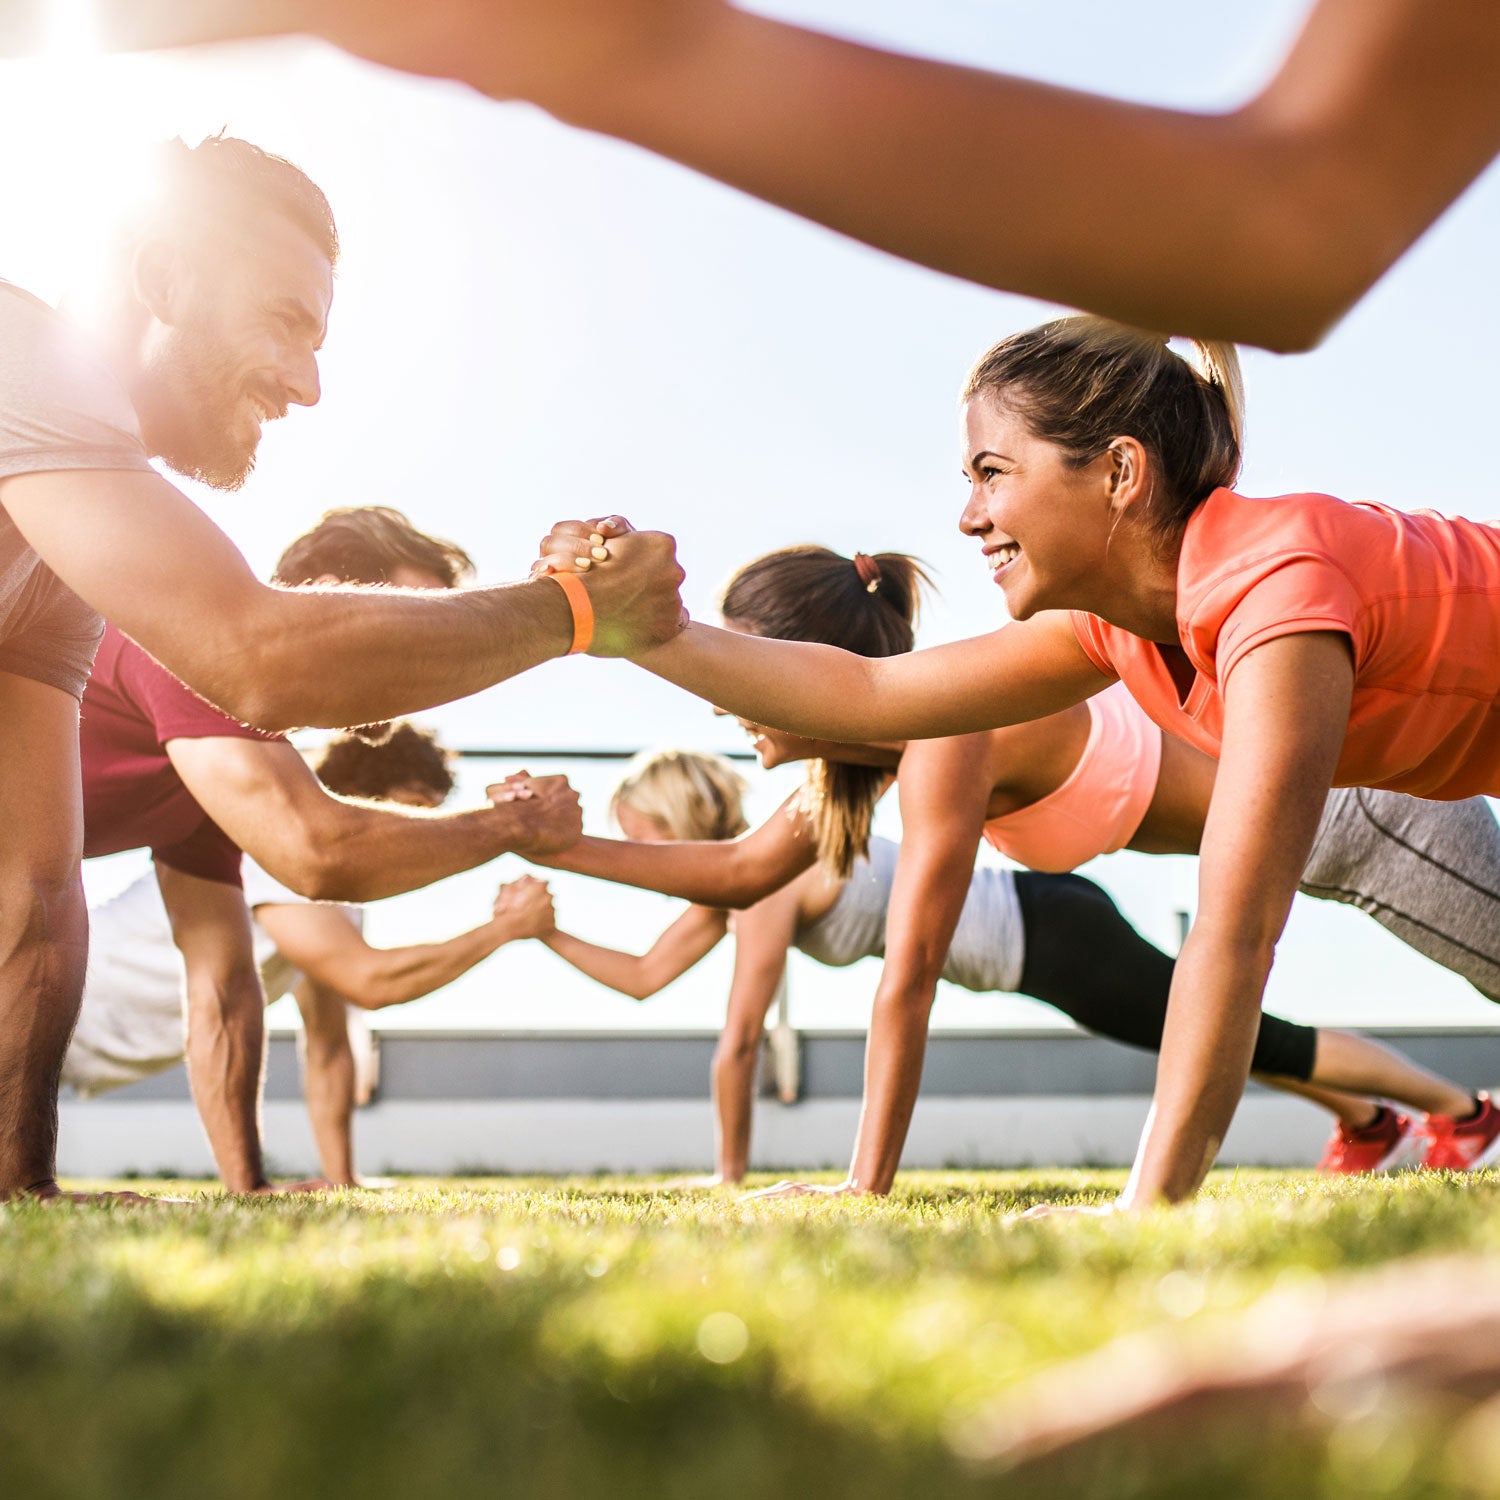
<point x="164" y="770"/>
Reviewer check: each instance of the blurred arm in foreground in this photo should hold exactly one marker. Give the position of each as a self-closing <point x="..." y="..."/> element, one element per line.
<point x="1264" y="223"/>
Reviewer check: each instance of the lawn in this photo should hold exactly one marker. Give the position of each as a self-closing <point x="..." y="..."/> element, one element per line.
<point x="574" y="1339"/>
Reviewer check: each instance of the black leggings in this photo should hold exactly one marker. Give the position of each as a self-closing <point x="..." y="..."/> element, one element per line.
<point x="1084" y="959"/>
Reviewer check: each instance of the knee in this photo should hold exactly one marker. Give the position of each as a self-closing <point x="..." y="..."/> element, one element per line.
<point x="41" y="901"/>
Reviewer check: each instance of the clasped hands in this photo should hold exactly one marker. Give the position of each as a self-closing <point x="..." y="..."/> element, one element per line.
<point x="633" y="580"/>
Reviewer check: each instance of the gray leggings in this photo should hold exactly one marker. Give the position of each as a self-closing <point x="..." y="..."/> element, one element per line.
<point x="1427" y="871"/>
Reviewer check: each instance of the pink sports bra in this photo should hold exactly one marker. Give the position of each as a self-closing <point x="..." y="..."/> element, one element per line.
<point x="1099" y="807"/>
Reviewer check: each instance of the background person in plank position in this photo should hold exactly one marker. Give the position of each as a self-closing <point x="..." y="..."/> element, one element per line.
<point x="166" y="771"/>
<point x="206" y="324"/>
<point x="1262" y="224"/>
<point x="1303" y="641"/>
<point x="1098" y="777"/>
<point x="1056" y="937"/>
<point x="134" y="1019"/>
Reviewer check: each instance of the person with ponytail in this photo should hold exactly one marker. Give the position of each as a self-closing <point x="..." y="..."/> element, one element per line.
<point x="1303" y="642"/>
<point x="1057" y="938"/>
<point x="1053" y="794"/>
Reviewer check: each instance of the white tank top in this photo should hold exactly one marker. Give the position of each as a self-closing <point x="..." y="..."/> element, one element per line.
<point x="988" y="947"/>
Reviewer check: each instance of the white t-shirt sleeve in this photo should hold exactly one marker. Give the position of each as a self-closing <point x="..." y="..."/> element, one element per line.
<point x="262" y="889"/>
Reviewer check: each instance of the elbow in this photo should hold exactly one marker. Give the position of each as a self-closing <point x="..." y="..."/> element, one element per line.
<point x="259" y="674"/>
<point x="1319" y="232"/>
<point x="322" y="859"/>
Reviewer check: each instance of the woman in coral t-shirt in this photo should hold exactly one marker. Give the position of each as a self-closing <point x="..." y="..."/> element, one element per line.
<point x="1304" y="641"/>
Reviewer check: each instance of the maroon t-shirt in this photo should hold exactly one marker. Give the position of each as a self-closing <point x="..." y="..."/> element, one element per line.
<point x="132" y="796"/>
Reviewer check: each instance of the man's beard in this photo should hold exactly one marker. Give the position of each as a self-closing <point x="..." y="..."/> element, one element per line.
<point x="196" y="431"/>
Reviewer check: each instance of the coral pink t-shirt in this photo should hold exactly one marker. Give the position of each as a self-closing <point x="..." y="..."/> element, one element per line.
<point x="1417" y="594"/>
<point x="1099" y="807"/>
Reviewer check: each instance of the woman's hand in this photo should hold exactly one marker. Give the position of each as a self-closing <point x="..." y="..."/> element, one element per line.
<point x="790" y="1189"/>
<point x="1070" y="1210"/>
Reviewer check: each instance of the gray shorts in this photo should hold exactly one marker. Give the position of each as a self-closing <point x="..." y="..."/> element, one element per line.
<point x="1427" y="871"/>
<point x="50" y="635"/>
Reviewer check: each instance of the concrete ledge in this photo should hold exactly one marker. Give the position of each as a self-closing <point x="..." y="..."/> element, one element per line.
<point x="578" y="1103"/>
<point x="109" y="1139"/>
<point x="541" y="1065"/>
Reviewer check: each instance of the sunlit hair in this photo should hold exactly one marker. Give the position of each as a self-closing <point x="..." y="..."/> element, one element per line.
<point x="689" y="795"/>
<point x="868" y="606"/>
<point x="408" y="757"/>
<point x="223" y="186"/>
<point x="366" y="544"/>
<point x="1080" y="382"/>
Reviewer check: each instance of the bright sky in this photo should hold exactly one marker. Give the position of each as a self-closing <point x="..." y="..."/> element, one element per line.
<point x="532" y="323"/>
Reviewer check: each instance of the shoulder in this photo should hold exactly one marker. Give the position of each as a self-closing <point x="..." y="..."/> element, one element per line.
<point x="58" y="392"/>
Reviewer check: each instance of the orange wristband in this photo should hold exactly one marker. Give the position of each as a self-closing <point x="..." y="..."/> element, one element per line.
<point x="581" y="606"/>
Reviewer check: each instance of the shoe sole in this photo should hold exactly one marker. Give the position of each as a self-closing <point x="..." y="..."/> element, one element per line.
<point x="1408" y="1153"/>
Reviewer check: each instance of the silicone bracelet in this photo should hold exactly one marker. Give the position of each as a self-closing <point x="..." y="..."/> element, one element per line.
<point x="582" y="608"/>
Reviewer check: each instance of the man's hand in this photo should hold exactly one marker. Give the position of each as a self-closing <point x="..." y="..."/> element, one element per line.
<point x="525" y="906"/>
<point x="549" y="818"/>
<point x="52" y="1195"/>
<point x="633" y="578"/>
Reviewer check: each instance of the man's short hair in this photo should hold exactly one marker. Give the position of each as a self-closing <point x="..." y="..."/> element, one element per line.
<point x="366" y="544"/>
<point x="408" y="757"/>
<point x="224" y="181"/>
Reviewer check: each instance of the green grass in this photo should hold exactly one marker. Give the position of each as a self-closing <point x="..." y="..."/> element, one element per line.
<point x="590" y="1338"/>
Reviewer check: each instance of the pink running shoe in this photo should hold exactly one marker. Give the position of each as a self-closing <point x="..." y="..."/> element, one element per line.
<point x="1463" y="1145"/>
<point x="1389" y="1141"/>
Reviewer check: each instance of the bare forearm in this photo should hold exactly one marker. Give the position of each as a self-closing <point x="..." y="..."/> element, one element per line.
<point x="225" y="1059"/>
<point x="1261" y="229"/>
<point x="627" y="973"/>
<point x="893" y="1078"/>
<point x="1008" y="677"/>
<point x="358" y="853"/>
<point x="734" y="1108"/>
<point x="718" y="875"/>
<point x="1213" y="1016"/>
<point x="395" y="975"/>
<point x="328" y="1085"/>
<point x="452" y="644"/>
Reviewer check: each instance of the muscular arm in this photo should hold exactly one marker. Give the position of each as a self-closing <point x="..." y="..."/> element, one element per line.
<point x="1286" y="711"/>
<point x="269" y="802"/>
<point x="944" y="787"/>
<point x="733" y="874"/>
<point x="325" y="945"/>
<point x="280" y="658"/>
<point x="690" y="938"/>
<point x="1022" y="672"/>
<point x="762" y="936"/>
<point x="226" y="1019"/>
<point x="1264" y="225"/>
